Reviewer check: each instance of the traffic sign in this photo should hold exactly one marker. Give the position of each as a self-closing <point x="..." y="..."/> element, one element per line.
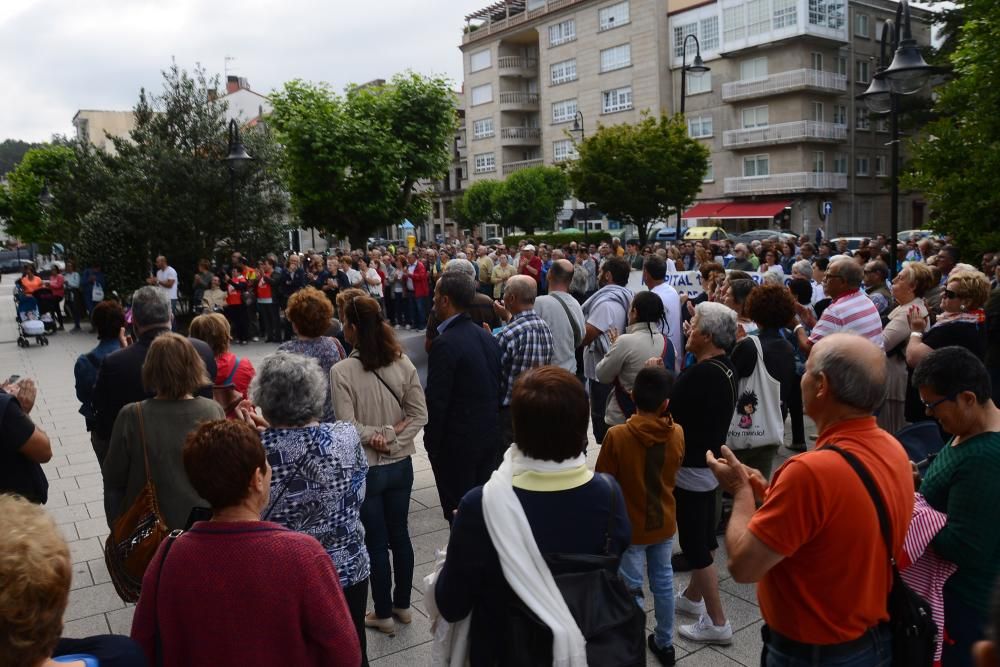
<point x="827" y="207"/>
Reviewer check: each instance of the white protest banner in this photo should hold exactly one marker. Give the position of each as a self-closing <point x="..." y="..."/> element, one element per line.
<point x="689" y="282"/>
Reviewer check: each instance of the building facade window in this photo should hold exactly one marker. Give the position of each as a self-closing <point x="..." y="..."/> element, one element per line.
<point x="756" y="166"/>
<point x="563" y="111"/>
<point x="842" y="65"/>
<point x="680" y="34"/>
<point x="709" y="176"/>
<point x="827" y="13"/>
<point x="709" y="37"/>
<point x="840" y="114"/>
<point x="700" y="127"/>
<point x="881" y="124"/>
<point x="861" y="165"/>
<point x="758" y="17"/>
<point x="563" y="71"/>
<point x="734" y="18"/>
<point x="819" y="162"/>
<point x="480" y="60"/>
<point x="816" y="59"/>
<point x="784" y="13"/>
<point x="482" y="128"/>
<point x="482" y="94"/>
<point x="817" y="112"/>
<point x="753" y="68"/>
<point x="861" y="25"/>
<point x="616" y="57"/>
<point x="699" y="83"/>
<point x="862" y="119"/>
<point x="754" y="117"/>
<point x="619" y="99"/>
<point x="563" y="32"/>
<point x="864" y="72"/>
<point x="563" y="150"/>
<point x="880" y="164"/>
<point x="612" y="16"/>
<point x="840" y="163"/>
<point x="485" y="163"/>
<point x="879" y="26"/>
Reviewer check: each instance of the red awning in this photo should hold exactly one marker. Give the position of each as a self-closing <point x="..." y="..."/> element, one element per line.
<point x="763" y="209"/>
<point x="705" y="210"/>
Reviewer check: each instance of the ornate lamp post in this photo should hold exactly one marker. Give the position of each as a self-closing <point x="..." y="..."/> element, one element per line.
<point x="236" y="159"/>
<point x="696" y="68"/>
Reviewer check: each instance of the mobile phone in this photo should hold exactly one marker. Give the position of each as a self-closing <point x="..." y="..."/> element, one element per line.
<point x="12" y="379"/>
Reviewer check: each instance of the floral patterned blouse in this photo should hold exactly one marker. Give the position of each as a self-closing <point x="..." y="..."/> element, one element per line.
<point x="317" y="487"/>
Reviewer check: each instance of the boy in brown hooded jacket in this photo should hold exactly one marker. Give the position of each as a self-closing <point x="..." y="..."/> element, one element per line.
<point x="644" y="455"/>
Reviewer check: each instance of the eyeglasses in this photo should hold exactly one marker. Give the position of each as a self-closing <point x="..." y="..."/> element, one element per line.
<point x="929" y="407"/>
<point x="948" y="294"/>
<point x="830" y="276"/>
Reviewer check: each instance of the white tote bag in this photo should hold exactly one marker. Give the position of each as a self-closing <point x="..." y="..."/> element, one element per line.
<point x="757" y="419"/>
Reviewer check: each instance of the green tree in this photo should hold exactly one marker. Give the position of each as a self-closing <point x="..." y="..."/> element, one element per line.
<point x="11" y="152"/>
<point x="352" y="162"/>
<point x="636" y="173"/>
<point x="530" y="198"/>
<point x="479" y="204"/>
<point x="955" y="160"/>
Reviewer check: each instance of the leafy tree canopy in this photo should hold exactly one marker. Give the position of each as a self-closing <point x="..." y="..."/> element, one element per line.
<point x="11" y="152"/>
<point x="635" y="173"/>
<point x="353" y="161"/>
<point x="956" y="159"/>
<point x="530" y="198"/>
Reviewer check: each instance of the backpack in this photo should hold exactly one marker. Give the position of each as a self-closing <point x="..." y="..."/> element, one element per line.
<point x="606" y="613"/>
<point x="910" y="622"/>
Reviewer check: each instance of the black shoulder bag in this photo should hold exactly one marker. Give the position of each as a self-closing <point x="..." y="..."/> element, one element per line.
<point x="605" y="611"/>
<point x="910" y="623"/>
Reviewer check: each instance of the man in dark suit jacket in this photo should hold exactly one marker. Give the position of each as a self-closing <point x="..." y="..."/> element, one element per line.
<point x="119" y="379"/>
<point x="463" y="395"/>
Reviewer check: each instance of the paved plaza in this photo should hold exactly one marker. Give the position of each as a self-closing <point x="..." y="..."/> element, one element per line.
<point x="76" y="503"/>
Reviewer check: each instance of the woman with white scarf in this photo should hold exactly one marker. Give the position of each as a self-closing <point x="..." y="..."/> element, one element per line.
<point x="542" y="500"/>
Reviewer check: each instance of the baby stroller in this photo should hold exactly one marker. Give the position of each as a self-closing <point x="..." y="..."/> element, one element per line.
<point x="29" y="320"/>
<point x="48" y="306"/>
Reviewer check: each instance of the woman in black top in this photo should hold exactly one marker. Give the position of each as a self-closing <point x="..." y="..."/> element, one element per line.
<point x="703" y="404"/>
<point x="771" y="307"/>
<point x="962" y="323"/>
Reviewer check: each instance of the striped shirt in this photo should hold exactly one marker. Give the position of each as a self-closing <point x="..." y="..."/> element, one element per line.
<point x="850" y="313"/>
<point x="525" y="343"/>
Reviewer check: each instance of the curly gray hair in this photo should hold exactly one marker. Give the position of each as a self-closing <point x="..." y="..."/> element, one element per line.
<point x="290" y="389"/>
<point x="718" y="322"/>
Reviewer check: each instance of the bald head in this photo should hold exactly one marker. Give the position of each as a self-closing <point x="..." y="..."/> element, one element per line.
<point x="560" y="275"/>
<point x="853" y="369"/>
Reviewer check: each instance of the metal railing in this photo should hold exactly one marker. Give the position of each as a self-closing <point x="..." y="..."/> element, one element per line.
<point x="494" y="27"/>
<point x="511" y="167"/>
<point x="782" y="82"/>
<point x="516" y="62"/>
<point x="800" y="130"/>
<point x="517" y="97"/>
<point x="792" y="182"/>
<point x="520" y="133"/>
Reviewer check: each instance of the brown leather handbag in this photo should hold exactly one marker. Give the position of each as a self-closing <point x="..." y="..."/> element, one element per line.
<point x="136" y="535"/>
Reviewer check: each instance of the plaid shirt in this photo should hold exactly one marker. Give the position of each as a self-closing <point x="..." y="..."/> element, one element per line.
<point x="525" y="343"/>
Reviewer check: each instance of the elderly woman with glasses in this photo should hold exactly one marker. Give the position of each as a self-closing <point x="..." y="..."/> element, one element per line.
<point x="963" y="482"/>
<point x="962" y="323"/>
<point x="319" y="469"/>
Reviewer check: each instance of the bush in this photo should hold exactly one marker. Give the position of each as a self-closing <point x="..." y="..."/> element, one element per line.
<point x="557" y="239"/>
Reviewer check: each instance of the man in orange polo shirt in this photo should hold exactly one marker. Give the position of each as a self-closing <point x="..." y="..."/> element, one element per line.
<point x="815" y="546"/>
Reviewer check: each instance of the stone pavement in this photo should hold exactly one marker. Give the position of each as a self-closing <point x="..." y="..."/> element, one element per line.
<point x="76" y="503"/>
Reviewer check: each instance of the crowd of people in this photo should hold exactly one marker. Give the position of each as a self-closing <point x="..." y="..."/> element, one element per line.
<point x="306" y="460"/>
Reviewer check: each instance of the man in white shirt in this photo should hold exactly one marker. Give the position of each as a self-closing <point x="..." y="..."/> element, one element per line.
<point x="804" y="269"/>
<point x="563" y="314"/>
<point x="166" y="280"/>
<point x="654" y="272"/>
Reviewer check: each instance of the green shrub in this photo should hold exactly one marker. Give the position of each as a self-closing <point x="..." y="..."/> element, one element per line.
<point x="557" y="239"/>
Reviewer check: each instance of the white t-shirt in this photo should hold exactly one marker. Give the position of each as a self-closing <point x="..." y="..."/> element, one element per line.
<point x="818" y="292"/>
<point x="165" y="275"/>
<point x="672" y="304"/>
<point x="604" y="316"/>
<point x="563" y="342"/>
<point x="374" y="290"/>
<point x="353" y="276"/>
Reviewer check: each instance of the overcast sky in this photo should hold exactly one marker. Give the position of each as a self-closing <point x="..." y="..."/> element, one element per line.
<point x="58" y="56"/>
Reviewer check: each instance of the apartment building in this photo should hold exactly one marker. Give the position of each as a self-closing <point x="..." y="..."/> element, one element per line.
<point x="440" y="221"/>
<point x="777" y="110"/>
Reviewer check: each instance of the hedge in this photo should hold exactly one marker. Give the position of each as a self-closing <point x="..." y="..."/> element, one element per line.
<point x="558" y="239"/>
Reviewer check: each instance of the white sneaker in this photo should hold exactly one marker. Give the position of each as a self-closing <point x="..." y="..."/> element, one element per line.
<point x="705" y="632"/>
<point x="684" y="606"/>
<point x="407" y="327"/>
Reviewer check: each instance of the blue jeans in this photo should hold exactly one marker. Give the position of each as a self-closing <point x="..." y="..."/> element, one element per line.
<point x="418" y="313"/>
<point x="876" y="653"/>
<point x="655" y="559"/>
<point x="384" y="515"/>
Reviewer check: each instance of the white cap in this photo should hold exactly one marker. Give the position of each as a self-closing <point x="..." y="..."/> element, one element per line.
<point x="529" y="247"/>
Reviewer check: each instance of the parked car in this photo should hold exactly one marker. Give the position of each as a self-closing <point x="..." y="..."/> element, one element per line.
<point x="494" y="240"/>
<point x="763" y="235"/>
<point x="14" y="265"/>
<point x="702" y="233"/>
<point x="853" y="242"/>
<point x="668" y="234"/>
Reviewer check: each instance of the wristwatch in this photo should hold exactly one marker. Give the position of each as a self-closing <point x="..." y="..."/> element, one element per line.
<point x="797" y="327"/>
<point x="916" y="334"/>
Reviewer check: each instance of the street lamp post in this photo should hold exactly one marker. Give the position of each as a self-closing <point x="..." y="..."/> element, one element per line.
<point x="578" y="127"/>
<point x="907" y="74"/>
<point x="235" y="160"/>
<point x="696" y="68"/>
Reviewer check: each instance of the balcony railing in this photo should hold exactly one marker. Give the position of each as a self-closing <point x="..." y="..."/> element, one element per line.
<point x="491" y="28"/>
<point x="783" y="82"/>
<point x="802" y="181"/>
<point x="785" y="133"/>
<point x="518" y="100"/>
<point x="516" y="64"/>
<point x="520" y="135"/>
<point x="511" y="167"/>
